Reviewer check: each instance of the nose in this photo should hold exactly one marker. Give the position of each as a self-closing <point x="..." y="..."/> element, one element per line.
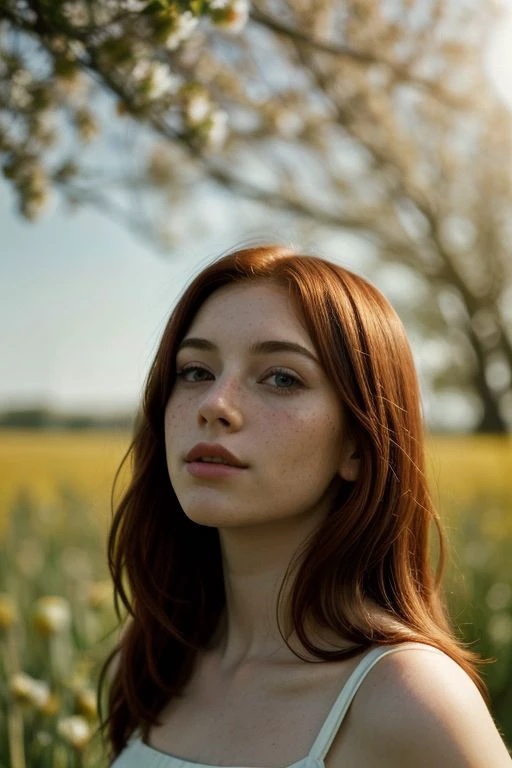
<point x="221" y="403"/>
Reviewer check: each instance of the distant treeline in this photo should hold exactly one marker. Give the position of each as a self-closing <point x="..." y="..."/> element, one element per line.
<point x="45" y="418"/>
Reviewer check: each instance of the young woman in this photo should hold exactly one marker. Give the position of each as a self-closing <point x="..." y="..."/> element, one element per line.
<point x="272" y="548"/>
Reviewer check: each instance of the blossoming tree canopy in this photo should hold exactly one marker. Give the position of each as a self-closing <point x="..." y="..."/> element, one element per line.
<point x="376" y="118"/>
<point x="130" y="45"/>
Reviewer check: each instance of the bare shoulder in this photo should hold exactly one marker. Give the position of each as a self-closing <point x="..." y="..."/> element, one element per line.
<point x="416" y="709"/>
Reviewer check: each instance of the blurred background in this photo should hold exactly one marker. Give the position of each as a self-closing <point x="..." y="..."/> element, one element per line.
<point x="139" y="140"/>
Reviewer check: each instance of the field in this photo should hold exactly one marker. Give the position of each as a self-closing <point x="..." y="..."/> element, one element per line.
<point x="41" y="465"/>
<point x="54" y="513"/>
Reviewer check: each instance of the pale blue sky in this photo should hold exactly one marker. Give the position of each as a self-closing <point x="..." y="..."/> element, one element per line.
<point x="83" y="302"/>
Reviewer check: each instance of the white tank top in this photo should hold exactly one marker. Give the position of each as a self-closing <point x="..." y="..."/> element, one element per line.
<point x="139" y="755"/>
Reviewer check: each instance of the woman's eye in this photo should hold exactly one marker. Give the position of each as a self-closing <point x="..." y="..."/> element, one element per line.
<point x="183" y="372"/>
<point x="285" y="381"/>
<point x="280" y="375"/>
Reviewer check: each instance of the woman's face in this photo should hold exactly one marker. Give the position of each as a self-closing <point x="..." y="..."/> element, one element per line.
<point x="275" y="411"/>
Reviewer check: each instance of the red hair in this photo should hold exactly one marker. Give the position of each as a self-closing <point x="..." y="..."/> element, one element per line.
<point x="372" y="548"/>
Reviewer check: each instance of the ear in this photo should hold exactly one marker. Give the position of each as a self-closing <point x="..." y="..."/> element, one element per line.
<point x="350" y="461"/>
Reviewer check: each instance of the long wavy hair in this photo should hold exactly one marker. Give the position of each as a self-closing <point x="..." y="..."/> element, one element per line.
<point x="373" y="547"/>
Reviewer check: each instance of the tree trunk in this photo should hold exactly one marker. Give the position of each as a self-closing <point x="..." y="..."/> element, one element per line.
<point x="491" y="420"/>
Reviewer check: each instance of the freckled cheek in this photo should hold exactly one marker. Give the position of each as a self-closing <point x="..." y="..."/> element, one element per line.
<point x="299" y="434"/>
<point x="176" y="419"/>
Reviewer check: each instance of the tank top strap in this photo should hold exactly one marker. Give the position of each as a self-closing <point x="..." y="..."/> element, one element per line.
<point x="341" y="705"/>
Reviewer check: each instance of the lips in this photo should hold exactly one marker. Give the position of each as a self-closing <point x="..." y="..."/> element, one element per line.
<point x="211" y="451"/>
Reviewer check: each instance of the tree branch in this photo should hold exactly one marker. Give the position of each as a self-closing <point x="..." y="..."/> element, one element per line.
<point x="401" y="74"/>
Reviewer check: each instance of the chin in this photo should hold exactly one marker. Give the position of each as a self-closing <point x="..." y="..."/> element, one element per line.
<point x="205" y="511"/>
<point x="216" y="516"/>
<point x="214" y="521"/>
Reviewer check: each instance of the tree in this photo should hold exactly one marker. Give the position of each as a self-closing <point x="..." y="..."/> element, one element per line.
<point x="368" y="116"/>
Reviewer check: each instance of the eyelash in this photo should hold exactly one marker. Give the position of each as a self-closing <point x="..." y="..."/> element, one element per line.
<point x="275" y="371"/>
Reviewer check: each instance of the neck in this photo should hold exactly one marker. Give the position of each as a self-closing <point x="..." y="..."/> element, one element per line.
<point x="255" y="561"/>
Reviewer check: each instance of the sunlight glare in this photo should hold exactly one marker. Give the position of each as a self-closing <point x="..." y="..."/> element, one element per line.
<point x="499" y="55"/>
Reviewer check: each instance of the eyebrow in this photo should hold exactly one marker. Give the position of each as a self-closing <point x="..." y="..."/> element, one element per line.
<point x="258" y="348"/>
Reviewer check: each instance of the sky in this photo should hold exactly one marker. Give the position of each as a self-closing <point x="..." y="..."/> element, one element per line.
<point x="83" y="302"/>
<point x="82" y="307"/>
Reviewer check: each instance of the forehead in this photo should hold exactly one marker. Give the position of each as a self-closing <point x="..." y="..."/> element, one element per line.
<point x="257" y="305"/>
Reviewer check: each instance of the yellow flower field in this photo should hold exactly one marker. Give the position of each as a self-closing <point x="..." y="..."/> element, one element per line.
<point x="40" y="463"/>
<point x="55" y="494"/>
<point x="473" y="472"/>
<point x="468" y="466"/>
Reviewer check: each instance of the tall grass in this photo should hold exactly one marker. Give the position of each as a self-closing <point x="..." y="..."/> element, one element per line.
<point x="56" y="627"/>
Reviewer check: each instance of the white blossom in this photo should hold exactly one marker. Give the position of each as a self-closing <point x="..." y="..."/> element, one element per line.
<point x="133" y="6"/>
<point x="20" y="96"/>
<point x="236" y="15"/>
<point x="161" y="81"/>
<point x="22" y="77"/>
<point x="185" y="25"/>
<point x="289" y="123"/>
<point x="197" y="108"/>
<point x="77" y="49"/>
<point x="76" y="12"/>
<point x="156" y="78"/>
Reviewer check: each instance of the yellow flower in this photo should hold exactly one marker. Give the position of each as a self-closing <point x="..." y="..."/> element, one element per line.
<point x="28" y="690"/>
<point x="86" y="703"/>
<point x="8" y="611"/>
<point x="75" y="730"/>
<point x="99" y="594"/>
<point x="51" y="705"/>
<point x="52" y="615"/>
